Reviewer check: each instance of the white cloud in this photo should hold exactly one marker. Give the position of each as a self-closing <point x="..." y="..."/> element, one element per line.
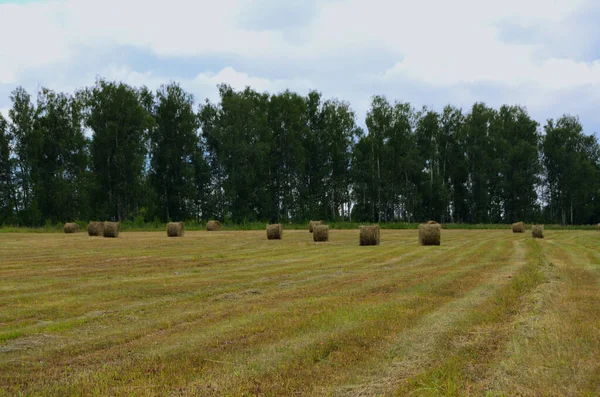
<point x="445" y="46"/>
<point x="30" y="36"/>
<point x="459" y="42"/>
<point x="136" y="79"/>
<point x="204" y="85"/>
<point x="519" y="70"/>
<point x="438" y="42"/>
<point x="240" y="80"/>
<point x="169" y="28"/>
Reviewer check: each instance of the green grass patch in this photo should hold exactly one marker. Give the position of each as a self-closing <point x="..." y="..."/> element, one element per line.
<point x="5" y="336"/>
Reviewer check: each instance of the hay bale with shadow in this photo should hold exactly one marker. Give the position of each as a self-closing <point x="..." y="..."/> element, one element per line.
<point x="213" y="226"/>
<point x="312" y="224"/>
<point x="95" y="229"/>
<point x="112" y="229"/>
<point x="537" y="231"/>
<point x="430" y="233"/>
<point x="274" y="232"/>
<point x="369" y="235"/>
<point x="321" y="233"/>
<point x="175" y="229"/>
<point x="71" y="228"/>
<point x="518" y="227"/>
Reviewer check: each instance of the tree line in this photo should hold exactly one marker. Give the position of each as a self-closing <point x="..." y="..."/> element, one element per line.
<point x="115" y="152"/>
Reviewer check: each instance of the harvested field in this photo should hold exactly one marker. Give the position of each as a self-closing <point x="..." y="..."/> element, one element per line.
<point x="231" y="313"/>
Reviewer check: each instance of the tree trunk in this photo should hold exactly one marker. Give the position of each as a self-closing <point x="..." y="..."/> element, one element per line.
<point x="333" y="204"/>
<point x="378" y="190"/>
<point x="167" y="204"/>
<point x="571" y="211"/>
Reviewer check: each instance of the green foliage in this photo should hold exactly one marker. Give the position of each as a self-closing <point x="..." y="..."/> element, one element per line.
<point x="26" y="148"/>
<point x="253" y="157"/>
<point x="516" y="149"/>
<point x="62" y="161"/>
<point x="278" y="158"/>
<point x="120" y="127"/>
<point x="7" y="202"/>
<point x="173" y="145"/>
<point x="571" y="162"/>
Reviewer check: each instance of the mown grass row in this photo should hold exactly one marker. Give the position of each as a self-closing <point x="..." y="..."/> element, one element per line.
<point x="555" y="342"/>
<point x="231" y="313"/>
<point x="303" y="294"/>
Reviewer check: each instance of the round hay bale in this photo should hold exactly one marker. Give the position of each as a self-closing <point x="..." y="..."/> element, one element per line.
<point x="312" y="224"/>
<point x="175" y="229"/>
<point x="321" y="233"/>
<point x="369" y="235"/>
<point x="537" y="231"/>
<point x="112" y="229"/>
<point x="430" y="233"/>
<point x="213" y="226"/>
<point x="518" y="227"/>
<point x="274" y="232"/>
<point x="71" y="228"/>
<point x="95" y="229"/>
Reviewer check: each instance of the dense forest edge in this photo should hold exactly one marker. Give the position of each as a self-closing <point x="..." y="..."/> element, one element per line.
<point x="111" y="151"/>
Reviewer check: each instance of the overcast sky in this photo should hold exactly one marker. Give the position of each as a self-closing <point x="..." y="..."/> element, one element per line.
<point x="543" y="54"/>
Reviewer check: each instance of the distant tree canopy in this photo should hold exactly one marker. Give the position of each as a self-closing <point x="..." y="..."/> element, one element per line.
<point x="116" y="152"/>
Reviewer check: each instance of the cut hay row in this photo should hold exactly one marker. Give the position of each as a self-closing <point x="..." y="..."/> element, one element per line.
<point x="321" y="233"/>
<point x="266" y="314"/>
<point x="175" y="229"/>
<point x="274" y="232"/>
<point x="430" y="233"/>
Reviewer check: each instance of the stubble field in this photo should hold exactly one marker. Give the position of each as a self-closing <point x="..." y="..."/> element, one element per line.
<point x="230" y="313"/>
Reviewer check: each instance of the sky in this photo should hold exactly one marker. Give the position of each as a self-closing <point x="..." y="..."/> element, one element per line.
<point x="541" y="54"/>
